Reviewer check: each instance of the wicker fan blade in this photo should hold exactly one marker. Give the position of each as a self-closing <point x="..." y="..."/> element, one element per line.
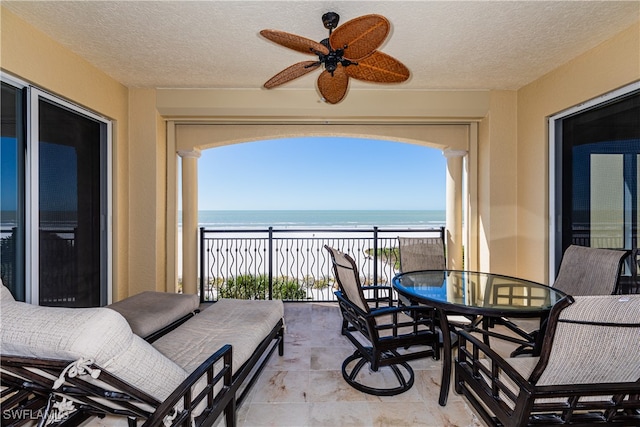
<point x="379" y="67"/>
<point x="295" y="42"/>
<point x="361" y="35"/>
<point x="333" y="88"/>
<point x="292" y="72"/>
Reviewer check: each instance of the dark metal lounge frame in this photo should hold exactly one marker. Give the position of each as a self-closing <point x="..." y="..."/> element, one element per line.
<point x="28" y="388"/>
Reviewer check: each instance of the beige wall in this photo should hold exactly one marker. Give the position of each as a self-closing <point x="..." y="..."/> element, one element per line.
<point x="32" y="56"/>
<point x="497" y="188"/>
<point x="147" y="191"/>
<point x="201" y="136"/>
<point x="302" y="105"/>
<point x="512" y="150"/>
<point x="609" y="66"/>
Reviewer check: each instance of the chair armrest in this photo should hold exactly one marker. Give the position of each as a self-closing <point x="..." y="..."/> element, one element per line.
<point x="381" y="287"/>
<point x="381" y="293"/>
<point x="385" y="287"/>
<point x="487" y="367"/>
<point x="417" y="316"/>
<point x="381" y="311"/>
<point x="369" y="324"/>
<point x="218" y="399"/>
<point x="421" y="317"/>
<point x="385" y="311"/>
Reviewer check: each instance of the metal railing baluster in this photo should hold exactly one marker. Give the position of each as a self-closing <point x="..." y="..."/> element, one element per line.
<point x="297" y="267"/>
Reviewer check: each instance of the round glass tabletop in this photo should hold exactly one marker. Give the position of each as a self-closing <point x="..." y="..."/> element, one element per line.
<point x="469" y="292"/>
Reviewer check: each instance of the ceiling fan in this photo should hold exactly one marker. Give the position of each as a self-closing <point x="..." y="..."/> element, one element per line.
<point x="350" y="51"/>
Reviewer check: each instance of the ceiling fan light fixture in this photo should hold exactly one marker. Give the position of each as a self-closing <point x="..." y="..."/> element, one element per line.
<point x="349" y="51"/>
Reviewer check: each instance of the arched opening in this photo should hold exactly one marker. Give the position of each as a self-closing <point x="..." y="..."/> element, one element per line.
<point x="310" y="185"/>
<point x="453" y="140"/>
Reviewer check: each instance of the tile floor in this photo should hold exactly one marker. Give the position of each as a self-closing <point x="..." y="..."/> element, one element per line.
<point x="305" y="386"/>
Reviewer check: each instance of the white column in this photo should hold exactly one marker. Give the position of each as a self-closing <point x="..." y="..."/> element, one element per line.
<point x="453" y="235"/>
<point x="189" y="220"/>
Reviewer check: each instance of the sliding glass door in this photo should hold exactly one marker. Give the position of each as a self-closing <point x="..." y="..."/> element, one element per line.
<point x="597" y="175"/>
<point x="55" y="199"/>
<point x="71" y="239"/>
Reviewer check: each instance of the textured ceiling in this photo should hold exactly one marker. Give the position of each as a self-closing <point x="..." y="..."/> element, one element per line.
<point x="216" y="44"/>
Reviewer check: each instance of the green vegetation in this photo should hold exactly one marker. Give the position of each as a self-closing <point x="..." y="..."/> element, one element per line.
<point x="287" y="289"/>
<point x="248" y="286"/>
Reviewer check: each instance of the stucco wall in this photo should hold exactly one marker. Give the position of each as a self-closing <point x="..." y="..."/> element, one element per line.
<point x="611" y="65"/>
<point x="147" y="190"/>
<point x="497" y="188"/>
<point x="30" y="55"/>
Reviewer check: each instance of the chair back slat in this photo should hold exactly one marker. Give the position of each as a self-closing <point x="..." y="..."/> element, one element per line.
<point x="421" y="253"/>
<point x="589" y="271"/>
<point x="346" y="273"/>
<point x="602" y="332"/>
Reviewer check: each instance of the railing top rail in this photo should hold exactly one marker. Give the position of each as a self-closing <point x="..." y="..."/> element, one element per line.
<point x="320" y="230"/>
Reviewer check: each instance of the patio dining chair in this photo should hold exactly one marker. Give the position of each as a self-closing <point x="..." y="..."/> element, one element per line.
<point x="589" y="271"/>
<point x="588" y="372"/>
<point x="426" y="253"/>
<point x="383" y="336"/>
<point x="583" y="271"/>
<point x="422" y="253"/>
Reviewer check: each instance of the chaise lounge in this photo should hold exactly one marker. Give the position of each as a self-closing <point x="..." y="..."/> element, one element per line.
<point x="65" y="365"/>
<point x="588" y="372"/>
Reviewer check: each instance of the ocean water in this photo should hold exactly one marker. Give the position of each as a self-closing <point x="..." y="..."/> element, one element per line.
<point x="319" y="219"/>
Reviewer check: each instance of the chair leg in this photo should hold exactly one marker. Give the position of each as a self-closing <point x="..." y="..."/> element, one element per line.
<point x="402" y="372"/>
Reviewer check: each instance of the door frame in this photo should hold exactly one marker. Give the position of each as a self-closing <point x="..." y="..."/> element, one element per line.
<point x="555" y="170"/>
<point x="32" y="275"/>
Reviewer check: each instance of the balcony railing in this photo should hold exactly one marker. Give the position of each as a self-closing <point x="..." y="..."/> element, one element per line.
<point x="58" y="263"/>
<point x="291" y="264"/>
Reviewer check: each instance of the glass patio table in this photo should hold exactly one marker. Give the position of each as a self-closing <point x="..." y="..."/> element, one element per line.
<point x="485" y="299"/>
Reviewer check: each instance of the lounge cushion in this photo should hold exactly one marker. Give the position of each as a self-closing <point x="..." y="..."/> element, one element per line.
<point x="90" y="333"/>
<point x="148" y="312"/>
<point x="241" y="323"/>
<point x="63" y="333"/>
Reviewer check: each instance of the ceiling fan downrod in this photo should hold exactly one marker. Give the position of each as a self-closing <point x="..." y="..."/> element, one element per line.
<point x="330" y="21"/>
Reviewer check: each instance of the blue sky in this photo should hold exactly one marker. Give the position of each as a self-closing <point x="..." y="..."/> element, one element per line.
<point x="321" y="173"/>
